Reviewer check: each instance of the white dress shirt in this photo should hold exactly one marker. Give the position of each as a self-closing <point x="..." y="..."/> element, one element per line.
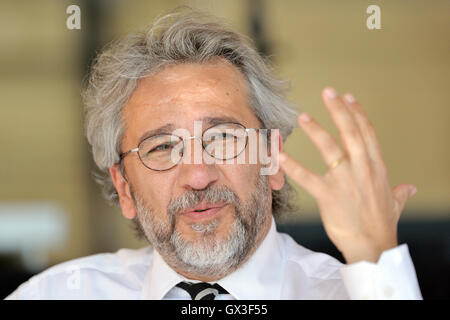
<point x="279" y="269"/>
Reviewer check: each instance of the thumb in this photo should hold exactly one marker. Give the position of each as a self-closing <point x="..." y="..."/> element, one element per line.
<point x="401" y="194"/>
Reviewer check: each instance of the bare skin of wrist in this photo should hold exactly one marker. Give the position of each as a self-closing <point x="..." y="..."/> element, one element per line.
<point x="370" y="253"/>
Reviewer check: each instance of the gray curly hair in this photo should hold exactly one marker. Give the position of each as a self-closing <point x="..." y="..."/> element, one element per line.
<point x="184" y="35"/>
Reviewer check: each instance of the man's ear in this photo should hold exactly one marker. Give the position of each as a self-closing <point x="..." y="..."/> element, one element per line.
<point x="123" y="190"/>
<point x="276" y="180"/>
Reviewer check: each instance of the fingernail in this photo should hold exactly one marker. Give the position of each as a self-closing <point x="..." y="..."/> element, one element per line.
<point x="412" y="191"/>
<point x="304" y="117"/>
<point x="331" y="93"/>
<point x="282" y="157"/>
<point x="349" y="98"/>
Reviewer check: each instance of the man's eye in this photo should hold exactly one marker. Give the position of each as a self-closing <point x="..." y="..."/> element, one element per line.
<point x="164" y="146"/>
<point x="161" y="147"/>
<point x="222" y="135"/>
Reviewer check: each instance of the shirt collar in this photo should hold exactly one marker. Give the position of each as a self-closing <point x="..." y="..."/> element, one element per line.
<point x="259" y="278"/>
<point x="159" y="279"/>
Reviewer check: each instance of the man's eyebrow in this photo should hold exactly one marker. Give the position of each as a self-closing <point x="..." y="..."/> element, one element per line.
<point x="212" y="121"/>
<point x="167" y="128"/>
<point x="170" y="127"/>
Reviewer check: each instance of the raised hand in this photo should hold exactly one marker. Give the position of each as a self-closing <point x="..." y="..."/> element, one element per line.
<point x="359" y="210"/>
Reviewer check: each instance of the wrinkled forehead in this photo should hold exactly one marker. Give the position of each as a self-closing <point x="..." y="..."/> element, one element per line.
<point x="182" y="93"/>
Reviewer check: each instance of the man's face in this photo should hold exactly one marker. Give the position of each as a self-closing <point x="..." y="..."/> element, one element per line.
<point x="238" y="197"/>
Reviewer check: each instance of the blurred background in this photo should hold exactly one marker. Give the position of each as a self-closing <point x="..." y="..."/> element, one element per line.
<point x="52" y="211"/>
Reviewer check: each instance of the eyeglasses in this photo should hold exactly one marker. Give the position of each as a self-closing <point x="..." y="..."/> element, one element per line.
<point x="164" y="151"/>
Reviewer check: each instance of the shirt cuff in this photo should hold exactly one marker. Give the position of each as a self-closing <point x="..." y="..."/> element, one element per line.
<point x="392" y="277"/>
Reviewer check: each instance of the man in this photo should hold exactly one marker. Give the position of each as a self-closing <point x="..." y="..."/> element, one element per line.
<point x="188" y="86"/>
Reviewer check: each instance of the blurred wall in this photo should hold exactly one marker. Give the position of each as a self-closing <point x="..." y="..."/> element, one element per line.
<point x="399" y="73"/>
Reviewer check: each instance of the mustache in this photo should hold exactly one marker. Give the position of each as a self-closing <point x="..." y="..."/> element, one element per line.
<point x="211" y="194"/>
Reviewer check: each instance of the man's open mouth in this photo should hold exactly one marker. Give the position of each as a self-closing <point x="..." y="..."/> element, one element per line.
<point x="203" y="210"/>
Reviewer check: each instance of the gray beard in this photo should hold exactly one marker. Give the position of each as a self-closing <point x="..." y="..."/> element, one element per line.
<point x="208" y="256"/>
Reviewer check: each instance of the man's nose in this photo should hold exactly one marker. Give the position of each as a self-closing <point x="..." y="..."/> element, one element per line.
<point x="194" y="172"/>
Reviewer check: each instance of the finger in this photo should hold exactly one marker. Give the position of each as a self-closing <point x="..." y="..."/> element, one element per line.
<point x="348" y="129"/>
<point x="401" y="194"/>
<point x="308" y="180"/>
<point x="325" y="143"/>
<point x="367" y="130"/>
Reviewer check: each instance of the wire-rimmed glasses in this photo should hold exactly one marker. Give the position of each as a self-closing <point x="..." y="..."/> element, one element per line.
<point x="163" y="151"/>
